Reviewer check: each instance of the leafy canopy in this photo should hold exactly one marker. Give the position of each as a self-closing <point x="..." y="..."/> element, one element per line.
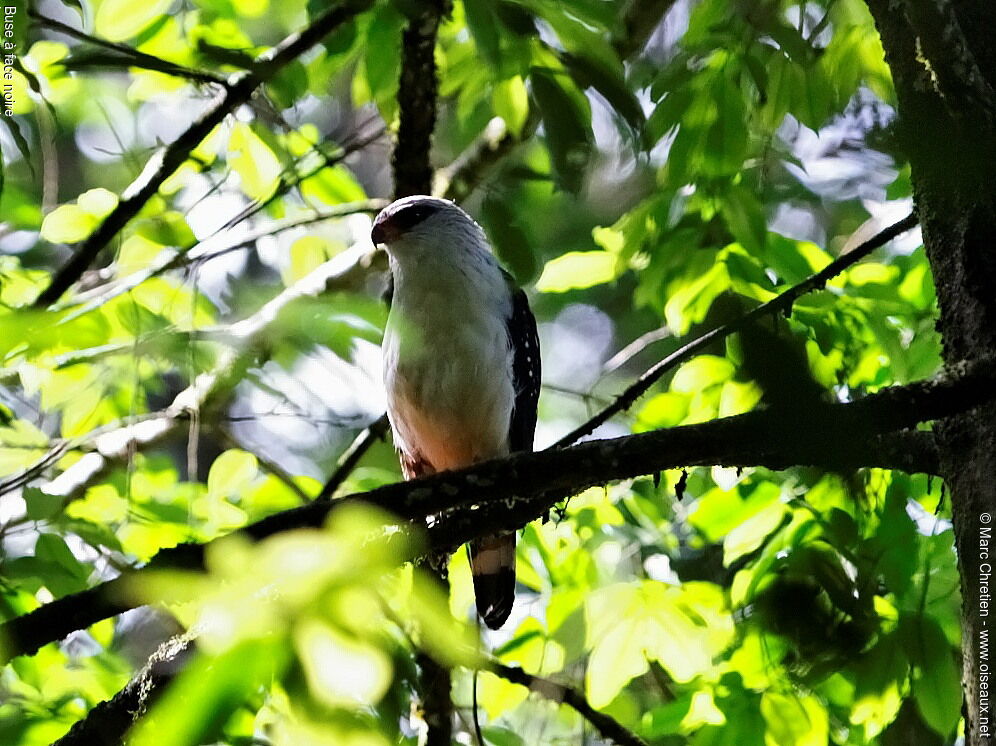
<point x="666" y="181"/>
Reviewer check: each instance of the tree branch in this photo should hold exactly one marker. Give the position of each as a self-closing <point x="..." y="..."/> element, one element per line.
<point x="412" y="171"/>
<point x="176" y="259"/>
<point x="367" y="437"/>
<point x="247" y="339"/>
<point x="457" y="181"/>
<point x="551" y="690"/>
<point x="167" y="160"/>
<point x="780" y="304"/>
<point x="943" y="45"/>
<point x="108" y="722"/>
<point x="123" y="55"/>
<point x="417" y="101"/>
<point x="523" y="486"/>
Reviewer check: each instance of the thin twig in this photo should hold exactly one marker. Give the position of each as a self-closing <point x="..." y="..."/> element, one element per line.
<point x="608" y="727"/>
<point x="128" y="55"/>
<point x="266" y="464"/>
<point x="162" y="165"/>
<point x="779" y="304"/>
<point x="286" y="182"/>
<point x="247" y="337"/>
<point x="182" y="257"/>
<point x="352" y="455"/>
<point x="634" y="348"/>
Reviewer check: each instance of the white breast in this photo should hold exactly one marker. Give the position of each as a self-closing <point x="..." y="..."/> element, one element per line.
<point x="448" y="361"/>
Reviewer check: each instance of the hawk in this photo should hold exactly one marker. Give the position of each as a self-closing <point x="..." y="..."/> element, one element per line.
<point x="461" y="363"/>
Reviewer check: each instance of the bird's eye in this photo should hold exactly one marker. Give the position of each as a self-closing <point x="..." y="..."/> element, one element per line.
<point x="411" y="216"/>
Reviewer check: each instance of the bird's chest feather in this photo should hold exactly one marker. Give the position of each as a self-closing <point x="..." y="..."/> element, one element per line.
<point x="448" y="371"/>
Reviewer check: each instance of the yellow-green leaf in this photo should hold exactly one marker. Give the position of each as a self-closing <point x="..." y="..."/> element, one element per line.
<point x="578" y="269"/>
<point x="231" y="473"/>
<point x="67" y="224"/>
<point x="510" y="101"/>
<point x="98" y="202"/>
<point x="794" y="719"/>
<point x="251" y="158"/>
<point x="117" y="20"/>
<point x="341" y="670"/>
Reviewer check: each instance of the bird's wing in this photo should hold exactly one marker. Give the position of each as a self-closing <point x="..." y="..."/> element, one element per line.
<point x="492" y="558"/>
<point x="526" y="372"/>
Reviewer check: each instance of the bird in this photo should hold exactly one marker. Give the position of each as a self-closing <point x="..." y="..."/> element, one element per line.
<point x="461" y="363"/>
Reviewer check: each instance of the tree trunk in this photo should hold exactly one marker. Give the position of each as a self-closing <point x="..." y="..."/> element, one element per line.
<point x="943" y="62"/>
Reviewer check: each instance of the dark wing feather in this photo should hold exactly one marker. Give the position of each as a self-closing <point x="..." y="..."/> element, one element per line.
<point x="492" y="558"/>
<point x="526" y="372"/>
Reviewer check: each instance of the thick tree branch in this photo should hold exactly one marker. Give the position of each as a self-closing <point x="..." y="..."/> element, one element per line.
<point x="522" y="487"/>
<point x="780" y="304"/>
<point x="568" y="695"/>
<point x="108" y="722"/>
<point x="168" y="159"/>
<point x="417" y="101"/>
<point x="947" y="128"/>
<point x="412" y="170"/>
<point x="952" y="64"/>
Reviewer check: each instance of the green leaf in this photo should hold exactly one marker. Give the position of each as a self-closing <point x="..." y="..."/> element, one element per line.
<point x="744" y="217"/>
<point x="617" y="658"/>
<point x="578" y="269"/>
<point x="511" y="243"/>
<point x="325" y="653"/>
<point x="67" y="224"/>
<point x="701" y="372"/>
<point x="61" y="572"/>
<point x="691" y="302"/>
<point x="629" y="624"/>
<point x="251" y="158"/>
<point x="609" y="81"/>
<point x="937" y="683"/>
<point x="40" y="504"/>
<point x="333" y="185"/>
<point x="566" y="126"/>
<point x="382" y="61"/>
<point x="306" y="253"/>
<point x="231" y="473"/>
<point x="19" y="140"/>
<point x="208" y="691"/>
<point x="483" y="25"/>
<point x="510" y="100"/>
<point x="98" y="202"/>
<point x="725" y="146"/>
<point x="117" y="20"/>
<point x="795" y="719"/>
<point x="751" y="534"/>
<point x="288" y="85"/>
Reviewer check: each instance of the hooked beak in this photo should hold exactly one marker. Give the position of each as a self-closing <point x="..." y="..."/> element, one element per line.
<point x="383" y="230"/>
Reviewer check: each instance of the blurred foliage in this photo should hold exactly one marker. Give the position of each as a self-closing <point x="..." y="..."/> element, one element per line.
<point x="667" y="187"/>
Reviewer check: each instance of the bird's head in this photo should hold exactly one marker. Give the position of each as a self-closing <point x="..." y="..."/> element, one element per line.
<point x="414" y="224"/>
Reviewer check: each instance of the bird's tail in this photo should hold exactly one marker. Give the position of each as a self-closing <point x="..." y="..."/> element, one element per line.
<point x="492" y="563"/>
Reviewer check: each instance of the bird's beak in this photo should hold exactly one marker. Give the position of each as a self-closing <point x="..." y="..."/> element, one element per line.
<point x="383" y="231"/>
